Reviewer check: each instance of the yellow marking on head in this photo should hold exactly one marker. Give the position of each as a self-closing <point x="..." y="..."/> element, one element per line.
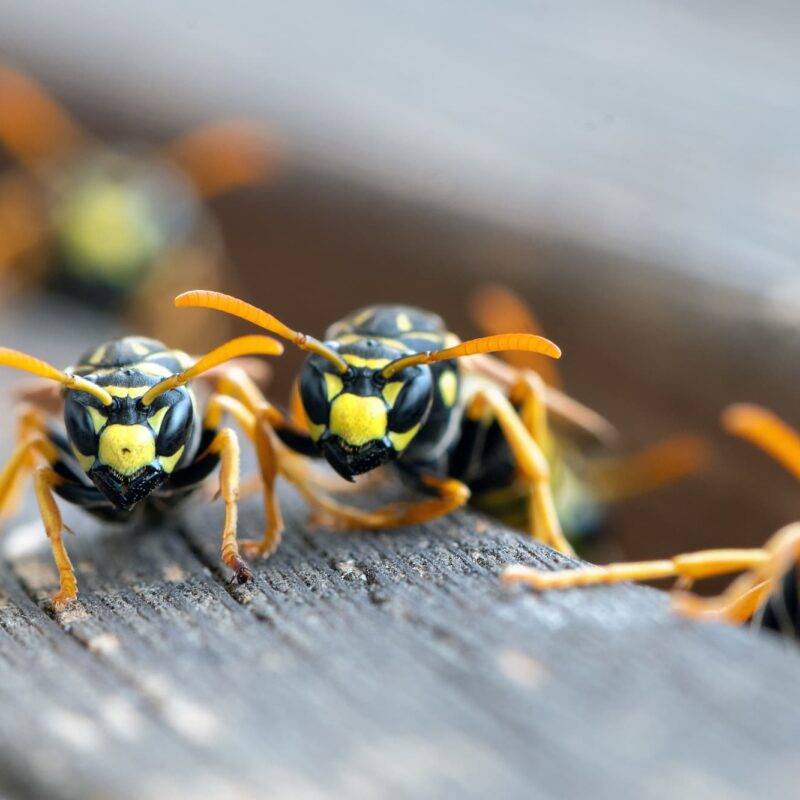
<point x="184" y="359"/>
<point x="98" y="419"/>
<point x="448" y="387"/>
<point x="427" y="336"/>
<point x="400" y="440"/>
<point x="126" y="391"/>
<point x="155" y="420"/>
<point x="84" y="461"/>
<point x="403" y="322"/>
<point x="391" y="390"/>
<point x="138" y="347"/>
<point x="97" y="356"/>
<point x="127" y="448"/>
<point x="315" y="431"/>
<point x="151" y="368"/>
<point x="363" y="316"/>
<point x="168" y="462"/>
<point x="369" y="363"/>
<point x="333" y="385"/>
<point x="352" y="338"/>
<point x="358" y="420"/>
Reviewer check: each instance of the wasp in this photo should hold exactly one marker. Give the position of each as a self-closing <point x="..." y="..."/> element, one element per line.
<point x="765" y="594"/>
<point x="391" y="385"/>
<point x="588" y="474"/>
<point x="118" y="225"/>
<point x="134" y="436"/>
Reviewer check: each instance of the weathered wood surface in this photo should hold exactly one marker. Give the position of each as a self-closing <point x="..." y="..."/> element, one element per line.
<point x="390" y="665"/>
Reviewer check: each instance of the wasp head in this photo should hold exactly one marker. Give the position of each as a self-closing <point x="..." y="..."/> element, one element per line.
<point x="128" y="449"/>
<point x="359" y="419"/>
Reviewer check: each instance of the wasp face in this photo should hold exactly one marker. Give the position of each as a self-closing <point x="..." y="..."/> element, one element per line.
<point x="359" y="420"/>
<point x="128" y="449"/>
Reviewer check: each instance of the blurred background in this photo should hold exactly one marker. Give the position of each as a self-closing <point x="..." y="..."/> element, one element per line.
<point x="630" y="169"/>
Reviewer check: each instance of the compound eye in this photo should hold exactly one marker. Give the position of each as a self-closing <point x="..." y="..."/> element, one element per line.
<point x="412" y="403"/>
<point x="175" y="427"/>
<point x="83" y="424"/>
<point x="314" y="390"/>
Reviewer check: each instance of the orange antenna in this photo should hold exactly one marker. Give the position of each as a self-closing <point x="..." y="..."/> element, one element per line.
<point x="243" y="346"/>
<point x="527" y="342"/>
<point x="218" y="301"/>
<point x="26" y="363"/>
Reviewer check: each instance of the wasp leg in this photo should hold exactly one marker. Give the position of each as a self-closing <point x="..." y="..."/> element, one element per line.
<point x="523" y="432"/>
<point x="45" y="479"/>
<point x="741" y="599"/>
<point x="23" y="460"/>
<point x="559" y="404"/>
<point x="263" y="441"/>
<point x="497" y="309"/>
<point x="225" y="444"/>
<point x="32" y="436"/>
<point x="452" y="494"/>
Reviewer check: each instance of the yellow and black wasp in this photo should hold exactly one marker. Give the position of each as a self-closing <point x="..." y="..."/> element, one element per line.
<point x="388" y="385"/>
<point x="134" y="436"/>
<point x="118" y="226"/>
<point x="766" y="595"/>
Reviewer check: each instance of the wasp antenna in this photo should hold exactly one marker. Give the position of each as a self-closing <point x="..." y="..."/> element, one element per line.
<point x="203" y="298"/>
<point x="488" y="344"/>
<point x="26" y="363"/>
<point x="243" y="346"/>
<point x="766" y="431"/>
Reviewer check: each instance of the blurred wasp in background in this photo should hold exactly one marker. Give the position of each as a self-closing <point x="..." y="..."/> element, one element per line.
<point x="766" y="595"/>
<point x="586" y="480"/>
<point x="117" y="226"/>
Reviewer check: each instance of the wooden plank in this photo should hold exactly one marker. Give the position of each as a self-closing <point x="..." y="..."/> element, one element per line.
<point x="366" y="665"/>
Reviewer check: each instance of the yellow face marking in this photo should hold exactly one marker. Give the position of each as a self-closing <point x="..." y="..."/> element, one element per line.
<point x="390" y="392"/>
<point x="126" y="391"/>
<point x="127" y="448"/>
<point x="155" y="420"/>
<point x="448" y="388"/>
<point x="315" y="431"/>
<point x="403" y="322"/>
<point x="358" y="420"/>
<point x="369" y="363"/>
<point x="333" y="385"/>
<point x="84" y="461"/>
<point x="400" y="440"/>
<point x="98" y="419"/>
<point x="168" y="462"/>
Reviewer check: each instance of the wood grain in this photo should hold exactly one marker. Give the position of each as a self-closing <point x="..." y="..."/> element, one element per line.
<point x="368" y="665"/>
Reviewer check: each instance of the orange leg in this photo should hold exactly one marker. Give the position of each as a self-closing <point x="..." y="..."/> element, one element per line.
<point x="226" y="445"/>
<point x="452" y="494"/>
<point x="44" y="480"/>
<point x="525" y="432"/>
